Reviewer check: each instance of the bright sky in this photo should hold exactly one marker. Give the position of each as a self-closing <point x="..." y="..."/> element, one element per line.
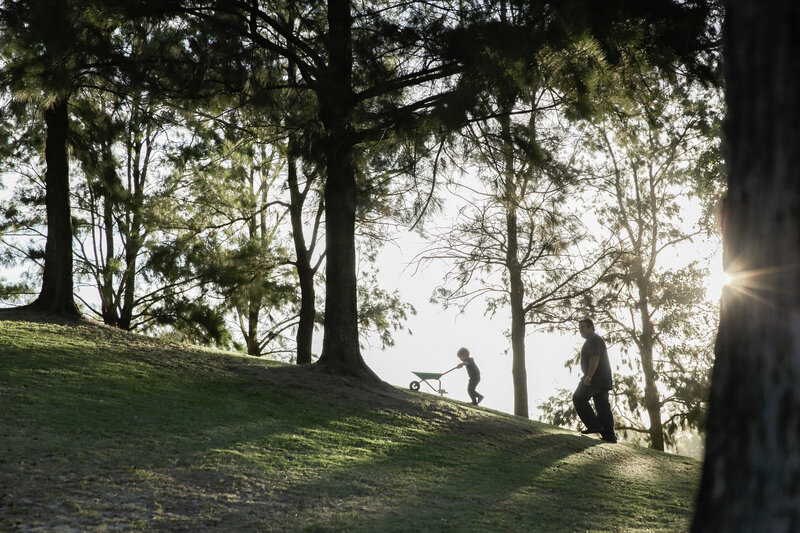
<point x="437" y="334"/>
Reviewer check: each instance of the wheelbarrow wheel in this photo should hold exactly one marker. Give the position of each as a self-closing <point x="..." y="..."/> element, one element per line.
<point x="414" y="385"/>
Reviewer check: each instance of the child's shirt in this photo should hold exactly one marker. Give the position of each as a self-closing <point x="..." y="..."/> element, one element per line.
<point x="472" y="368"/>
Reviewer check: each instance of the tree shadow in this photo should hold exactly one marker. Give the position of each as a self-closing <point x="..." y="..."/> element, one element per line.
<point x="451" y="482"/>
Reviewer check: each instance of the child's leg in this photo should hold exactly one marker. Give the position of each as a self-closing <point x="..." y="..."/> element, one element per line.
<point x="473" y="394"/>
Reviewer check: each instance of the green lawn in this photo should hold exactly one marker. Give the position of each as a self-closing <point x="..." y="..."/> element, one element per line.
<point x="106" y="431"/>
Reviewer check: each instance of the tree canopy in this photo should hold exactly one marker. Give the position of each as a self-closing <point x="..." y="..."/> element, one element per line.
<point x="341" y="84"/>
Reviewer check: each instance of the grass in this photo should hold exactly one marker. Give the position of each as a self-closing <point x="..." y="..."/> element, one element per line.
<point x="107" y="431"/>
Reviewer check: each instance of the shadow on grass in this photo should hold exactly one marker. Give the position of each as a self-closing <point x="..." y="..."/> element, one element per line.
<point x="445" y="482"/>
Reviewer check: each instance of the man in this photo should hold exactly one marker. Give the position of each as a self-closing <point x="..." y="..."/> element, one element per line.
<point x="595" y="384"/>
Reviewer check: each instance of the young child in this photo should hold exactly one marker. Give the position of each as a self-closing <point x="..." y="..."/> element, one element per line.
<point x="474" y="375"/>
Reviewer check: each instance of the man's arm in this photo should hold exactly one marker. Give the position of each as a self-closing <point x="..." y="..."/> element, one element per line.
<point x="594" y="362"/>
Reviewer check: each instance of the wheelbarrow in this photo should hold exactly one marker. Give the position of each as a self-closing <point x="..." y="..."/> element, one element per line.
<point x="425" y="376"/>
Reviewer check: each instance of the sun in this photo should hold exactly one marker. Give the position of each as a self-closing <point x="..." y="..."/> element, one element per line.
<point x="717" y="280"/>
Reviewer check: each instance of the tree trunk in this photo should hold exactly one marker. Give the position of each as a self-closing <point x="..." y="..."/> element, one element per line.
<point x="340" y="347"/>
<point x="518" y="370"/>
<point x="305" y="273"/>
<point x="107" y="294"/>
<point x="652" y="401"/>
<point x="304" y="337"/>
<point x="256" y="232"/>
<point x="253" y="346"/>
<point x="519" y="373"/>
<point x="135" y="238"/>
<point x="751" y="474"/>
<point x="56" y="295"/>
<point x="132" y="248"/>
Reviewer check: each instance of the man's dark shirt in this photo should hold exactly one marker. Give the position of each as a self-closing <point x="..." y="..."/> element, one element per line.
<point x="595" y="345"/>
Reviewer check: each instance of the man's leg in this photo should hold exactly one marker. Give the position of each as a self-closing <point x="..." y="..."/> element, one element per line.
<point x="604" y="415"/>
<point x="580" y="399"/>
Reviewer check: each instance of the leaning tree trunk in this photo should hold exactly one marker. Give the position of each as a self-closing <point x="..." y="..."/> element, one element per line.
<point x="305" y="273"/>
<point x="56" y="295"/>
<point x="751" y="474"/>
<point x="340" y="344"/>
<point x="304" y="337"/>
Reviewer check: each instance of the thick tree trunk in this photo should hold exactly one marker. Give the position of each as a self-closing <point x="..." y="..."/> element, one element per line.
<point x="751" y="474"/>
<point x="340" y="345"/>
<point x="652" y="401"/>
<point x="56" y="295"/>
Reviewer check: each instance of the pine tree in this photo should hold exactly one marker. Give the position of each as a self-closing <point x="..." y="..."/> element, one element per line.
<point x="49" y="49"/>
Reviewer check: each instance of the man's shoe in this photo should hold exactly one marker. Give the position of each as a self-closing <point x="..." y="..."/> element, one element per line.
<point x="612" y="439"/>
<point x="590" y="431"/>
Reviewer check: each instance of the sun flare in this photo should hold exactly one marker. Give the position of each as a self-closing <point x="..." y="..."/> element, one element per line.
<point x="717" y="280"/>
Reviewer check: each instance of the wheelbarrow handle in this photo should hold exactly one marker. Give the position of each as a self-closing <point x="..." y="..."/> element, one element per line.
<point x="455" y="367"/>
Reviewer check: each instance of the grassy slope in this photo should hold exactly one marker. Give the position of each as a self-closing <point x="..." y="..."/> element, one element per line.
<point x="106" y="431"/>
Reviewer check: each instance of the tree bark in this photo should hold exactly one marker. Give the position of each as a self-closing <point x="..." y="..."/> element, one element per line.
<point x="253" y="307"/>
<point x="305" y="273"/>
<point x="107" y="294"/>
<point x="56" y="295"/>
<point x="135" y="238"/>
<point x="519" y="372"/>
<point x="652" y="400"/>
<point x="341" y="353"/>
<point x="304" y="336"/>
<point x="751" y="474"/>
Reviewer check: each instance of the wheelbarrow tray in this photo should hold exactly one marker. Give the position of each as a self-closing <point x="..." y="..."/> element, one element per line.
<point x="428" y="375"/>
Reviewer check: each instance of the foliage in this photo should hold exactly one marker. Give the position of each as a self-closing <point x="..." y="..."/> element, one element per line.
<point x="656" y="138"/>
<point x="357" y="90"/>
<point x="120" y="143"/>
<point x="21" y="183"/>
<point x="379" y="311"/>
